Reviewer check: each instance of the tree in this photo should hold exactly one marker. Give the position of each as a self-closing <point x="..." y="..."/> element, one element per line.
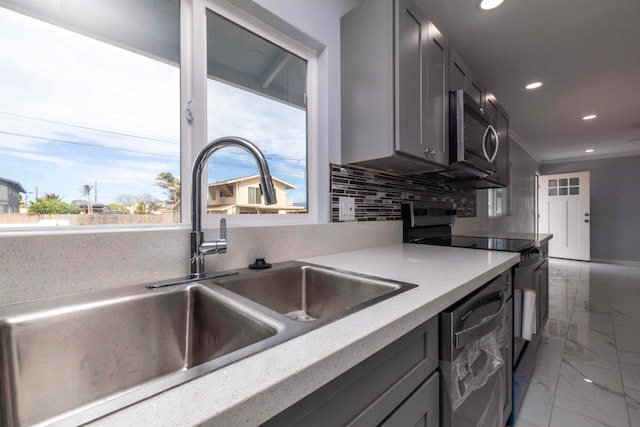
<point x="51" y="204"/>
<point x="85" y="190"/>
<point x="141" y="208"/>
<point x="52" y="196"/>
<point x="151" y="202"/>
<point x="117" y="207"/>
<point x="171" y="186"/>
<point x="139" y="204"/>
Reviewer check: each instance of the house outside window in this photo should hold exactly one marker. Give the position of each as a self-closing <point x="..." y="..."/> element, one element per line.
<point x="246" y="198"/>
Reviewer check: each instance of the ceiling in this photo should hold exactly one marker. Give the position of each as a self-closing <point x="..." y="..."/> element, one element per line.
<point x="587" y="54"/>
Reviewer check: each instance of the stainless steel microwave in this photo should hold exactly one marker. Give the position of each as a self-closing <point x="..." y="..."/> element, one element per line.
<point x="473" y="140"/>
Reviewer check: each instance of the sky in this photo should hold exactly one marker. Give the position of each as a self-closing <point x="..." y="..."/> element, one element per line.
<point x="77" y="111"/>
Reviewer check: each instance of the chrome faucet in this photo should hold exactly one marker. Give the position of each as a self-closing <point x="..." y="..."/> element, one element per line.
<point x="200" y="247"/>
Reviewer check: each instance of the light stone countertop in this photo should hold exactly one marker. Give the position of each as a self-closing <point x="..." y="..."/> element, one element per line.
<point x="251" y="391"/>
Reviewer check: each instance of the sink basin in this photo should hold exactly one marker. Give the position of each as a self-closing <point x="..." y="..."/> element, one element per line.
<point x="72" y="359"/>
<point x="66" y="353"/>
<point x="308" y="292"/>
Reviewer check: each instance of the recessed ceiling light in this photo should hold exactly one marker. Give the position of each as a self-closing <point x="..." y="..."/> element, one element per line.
<point x="589" y="150"/>
<point x="489" y="4"/>
<point x="589" y="117"/>
<point x="533" y="85"/>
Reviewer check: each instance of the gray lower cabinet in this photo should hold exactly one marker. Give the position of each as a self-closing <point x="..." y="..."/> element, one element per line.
<point x="397" y="386"/>
<point x="394" y="85"/>
<point x="421" y="409"/>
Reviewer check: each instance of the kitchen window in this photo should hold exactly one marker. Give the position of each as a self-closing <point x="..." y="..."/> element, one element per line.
<point x="498" y="202"/>
<point x="92" y="113"/>
<point x="256" y="90"/>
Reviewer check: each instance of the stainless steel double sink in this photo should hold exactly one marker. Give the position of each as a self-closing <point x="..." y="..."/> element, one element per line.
<point x="68" y="360"/>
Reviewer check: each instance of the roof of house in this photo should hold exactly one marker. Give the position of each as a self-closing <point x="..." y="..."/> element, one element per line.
<point x="14" y="183"/>
<point x="247" y="178"/>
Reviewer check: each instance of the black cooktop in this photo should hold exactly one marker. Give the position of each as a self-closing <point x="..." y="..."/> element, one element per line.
<point x="489" y="243"/>
<point x="429" y="223"/>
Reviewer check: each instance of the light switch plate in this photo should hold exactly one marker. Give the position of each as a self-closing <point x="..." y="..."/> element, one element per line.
<point x="346" y="209"/>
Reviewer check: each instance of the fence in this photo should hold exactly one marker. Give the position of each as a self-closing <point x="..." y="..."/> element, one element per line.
<point x="75" y="220"/>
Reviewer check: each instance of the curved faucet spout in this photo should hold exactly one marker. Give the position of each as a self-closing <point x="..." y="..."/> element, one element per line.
<point x="200" y="247"/>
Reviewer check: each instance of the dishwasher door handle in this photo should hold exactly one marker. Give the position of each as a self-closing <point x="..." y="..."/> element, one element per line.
<point x="475" y="332"/>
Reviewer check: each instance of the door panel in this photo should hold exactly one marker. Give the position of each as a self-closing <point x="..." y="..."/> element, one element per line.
<point x="412" y="59"/>
<point x="564" y="212"/>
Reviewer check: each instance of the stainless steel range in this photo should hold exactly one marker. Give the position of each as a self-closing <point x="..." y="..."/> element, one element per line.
<point x="490" y="309"/>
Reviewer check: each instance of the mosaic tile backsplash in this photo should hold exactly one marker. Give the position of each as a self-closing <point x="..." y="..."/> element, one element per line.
<point x="378" y="196"/>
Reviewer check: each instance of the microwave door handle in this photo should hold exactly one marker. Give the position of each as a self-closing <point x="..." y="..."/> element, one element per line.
<point x="491" y="129"/>
<point x="469" y="335"/>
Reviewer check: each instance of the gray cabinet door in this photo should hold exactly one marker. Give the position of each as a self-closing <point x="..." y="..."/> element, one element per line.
<point x="388" y="120"/>
<point x="436" y="139"/>
<point x="368" y="393"/>
<point x="491" y="106"/>
<point x="461" y="77"/>
<point x="423" y="56"/>
<point x="421" y="409"/>
<point x="411" y="61"/>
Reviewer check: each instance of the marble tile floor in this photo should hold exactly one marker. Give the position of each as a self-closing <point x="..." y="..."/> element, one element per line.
<point x="588" y="363"/>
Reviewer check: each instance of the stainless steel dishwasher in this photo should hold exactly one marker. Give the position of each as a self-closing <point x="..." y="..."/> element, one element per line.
<point x="476" y="357"/>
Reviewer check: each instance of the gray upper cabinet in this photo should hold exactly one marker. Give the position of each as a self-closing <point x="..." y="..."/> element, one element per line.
<point x="394" y="87"/>
<point x="437" y="134"/>
<point x="491" y="106"/>
<point x="461" y="77"/>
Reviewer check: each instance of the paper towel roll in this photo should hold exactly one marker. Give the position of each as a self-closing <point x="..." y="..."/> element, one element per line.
<point x="528" y="313"/>
<point x="517" y="312"/>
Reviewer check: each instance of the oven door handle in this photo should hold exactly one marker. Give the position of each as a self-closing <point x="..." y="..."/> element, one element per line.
<point x="469" y="335"/>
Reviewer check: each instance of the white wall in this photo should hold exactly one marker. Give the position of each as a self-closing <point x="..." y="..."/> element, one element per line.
<point x="615" y="205"/>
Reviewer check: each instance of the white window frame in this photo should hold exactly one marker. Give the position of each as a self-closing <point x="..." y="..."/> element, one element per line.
<point x="193" y="80"/>
<point x="492" y="202"/>
<point x="193" y="87"/>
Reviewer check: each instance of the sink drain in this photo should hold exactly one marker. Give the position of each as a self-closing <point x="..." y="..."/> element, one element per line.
<point x="300" y="315"/>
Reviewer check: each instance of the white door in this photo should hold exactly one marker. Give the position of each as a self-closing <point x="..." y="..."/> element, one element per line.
<point x="564" y="212"/>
